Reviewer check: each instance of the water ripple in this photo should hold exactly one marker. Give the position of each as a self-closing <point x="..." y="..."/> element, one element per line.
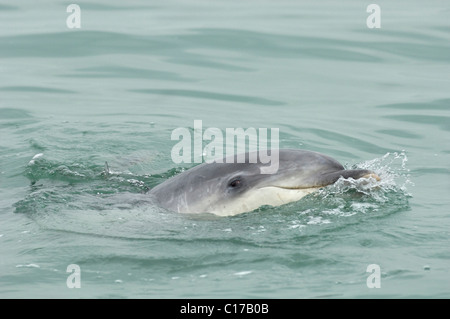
<point x="36" y="89"/>
<point x="211" y="96"/>
<point x="126" y="72"/>
<point x="86" y="43"/>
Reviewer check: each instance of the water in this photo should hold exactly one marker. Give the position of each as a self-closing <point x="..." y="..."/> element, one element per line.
<point x="114" y="90"/>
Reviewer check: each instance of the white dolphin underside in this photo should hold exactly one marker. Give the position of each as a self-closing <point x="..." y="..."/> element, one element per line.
<point x="272" y="196"/>
<point x="255" y="198"/>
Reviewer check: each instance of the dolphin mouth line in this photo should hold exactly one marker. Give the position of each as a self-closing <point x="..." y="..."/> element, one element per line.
<point x="367" y="176"/>
<point x="293" y="187"/>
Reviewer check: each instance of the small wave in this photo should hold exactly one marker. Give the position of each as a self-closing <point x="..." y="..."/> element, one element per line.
<point x="40" y="168"/>
<point x="57" y="186"/>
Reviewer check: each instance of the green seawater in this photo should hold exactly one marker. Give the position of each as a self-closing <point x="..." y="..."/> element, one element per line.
<point x="115" y="89"/>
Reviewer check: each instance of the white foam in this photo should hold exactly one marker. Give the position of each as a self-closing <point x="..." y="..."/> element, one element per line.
<point x="243" y="273"/>
<point x="317" y="220"/>
<point x="38" y="155"/>
<point x="28" y="266"/>
<point x="297" y="226"/>
<point x="34" y="158"/>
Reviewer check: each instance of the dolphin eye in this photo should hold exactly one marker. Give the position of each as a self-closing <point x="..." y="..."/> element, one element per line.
<point x="235" y="183"/>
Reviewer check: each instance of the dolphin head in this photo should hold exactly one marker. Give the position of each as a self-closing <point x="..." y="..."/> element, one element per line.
<point x="232" y="188"/>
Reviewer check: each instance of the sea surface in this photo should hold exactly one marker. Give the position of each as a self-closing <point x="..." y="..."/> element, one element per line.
<point x="113" y="91"/>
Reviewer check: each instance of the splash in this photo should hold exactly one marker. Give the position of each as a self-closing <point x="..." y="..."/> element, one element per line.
<point x="392" y="169"/>
<point x="394" y="174"/>
<point x="365" y="198"/>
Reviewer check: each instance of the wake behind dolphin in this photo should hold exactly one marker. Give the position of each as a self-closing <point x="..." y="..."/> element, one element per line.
<point x="227" y="189"/>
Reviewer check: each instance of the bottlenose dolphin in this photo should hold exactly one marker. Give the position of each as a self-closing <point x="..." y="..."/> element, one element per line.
<point x="232" y="188"/>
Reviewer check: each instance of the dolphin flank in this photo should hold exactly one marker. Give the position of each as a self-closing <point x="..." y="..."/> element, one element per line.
<point x="227" y="189"/>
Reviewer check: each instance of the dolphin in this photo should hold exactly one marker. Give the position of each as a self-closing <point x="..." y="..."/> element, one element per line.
<point x="231" y="188"/>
